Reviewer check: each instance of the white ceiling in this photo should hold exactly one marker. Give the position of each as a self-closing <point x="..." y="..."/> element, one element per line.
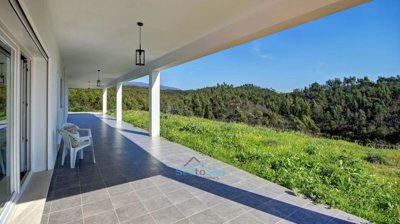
<point x="102" y="34"/>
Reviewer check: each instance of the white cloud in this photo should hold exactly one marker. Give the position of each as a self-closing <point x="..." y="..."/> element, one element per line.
<point x="257" y="50"/>
<point x="266" y="56"/>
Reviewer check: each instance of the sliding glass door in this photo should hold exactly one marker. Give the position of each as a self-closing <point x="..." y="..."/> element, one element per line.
<point x="5" y="144"/>
<point x="25" y="116"/>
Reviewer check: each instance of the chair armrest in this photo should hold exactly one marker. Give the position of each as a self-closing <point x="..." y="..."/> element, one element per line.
<point x="88" y="130"/>
<point x="84" y="138"/>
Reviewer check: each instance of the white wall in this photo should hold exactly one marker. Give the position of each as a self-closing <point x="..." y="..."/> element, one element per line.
<point x="38" y="114"/>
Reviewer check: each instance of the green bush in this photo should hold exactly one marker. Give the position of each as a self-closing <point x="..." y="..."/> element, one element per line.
<point x="375" y="158"/>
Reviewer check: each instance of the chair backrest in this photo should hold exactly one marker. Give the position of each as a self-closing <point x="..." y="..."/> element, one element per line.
<point x="66" y="138"/>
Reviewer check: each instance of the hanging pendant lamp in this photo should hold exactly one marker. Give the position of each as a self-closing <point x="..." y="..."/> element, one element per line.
<point x="140" y="54"/>
<point x="98" y="78"/>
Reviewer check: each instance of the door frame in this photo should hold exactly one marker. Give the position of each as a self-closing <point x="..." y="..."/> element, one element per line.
<point x="13" y="121"/>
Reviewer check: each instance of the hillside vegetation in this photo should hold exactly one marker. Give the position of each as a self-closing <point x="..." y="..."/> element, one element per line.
<point x="360" y="180"/>
<point x="3" y="102"/>
<point x="353" y="109"/>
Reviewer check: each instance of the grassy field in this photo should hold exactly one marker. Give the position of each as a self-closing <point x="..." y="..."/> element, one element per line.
<point x="360" y="180"/>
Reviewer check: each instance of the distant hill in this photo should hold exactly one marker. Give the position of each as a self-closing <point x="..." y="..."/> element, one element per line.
<point x="146" y="85"/>
<point x="353" y="109"/>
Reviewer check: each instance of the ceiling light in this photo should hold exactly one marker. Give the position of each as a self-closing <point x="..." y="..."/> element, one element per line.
<point x="98" y="78"/>
<point x="140" y="54"/>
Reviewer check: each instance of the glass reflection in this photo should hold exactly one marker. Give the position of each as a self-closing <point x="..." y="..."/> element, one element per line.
<point x="5" y="150"/>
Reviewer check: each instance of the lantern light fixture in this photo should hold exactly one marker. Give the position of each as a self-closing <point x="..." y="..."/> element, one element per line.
<point x="98" y="78"/>
<point x="2" y="78"/>
<point x="140" y="53"/>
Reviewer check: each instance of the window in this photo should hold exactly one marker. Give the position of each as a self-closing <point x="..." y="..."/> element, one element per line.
<point x="5" y="121"/>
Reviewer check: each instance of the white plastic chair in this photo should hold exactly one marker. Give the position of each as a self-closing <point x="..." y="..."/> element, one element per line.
<point x="87" y="137"/>
<point x="83" y="142"/>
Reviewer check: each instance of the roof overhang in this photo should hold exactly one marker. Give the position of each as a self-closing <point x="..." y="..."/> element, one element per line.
<point x="101" y="34"/>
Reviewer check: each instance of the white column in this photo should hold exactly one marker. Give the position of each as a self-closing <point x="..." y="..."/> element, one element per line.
<point x="118" y="110"/>
<point x="104" y="100"/>
<point x="154" y="103"/>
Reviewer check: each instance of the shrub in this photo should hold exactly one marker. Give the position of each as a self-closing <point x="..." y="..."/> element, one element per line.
<point x="375" y="158"/>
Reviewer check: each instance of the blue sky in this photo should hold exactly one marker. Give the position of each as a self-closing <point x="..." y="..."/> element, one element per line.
<point x="361" y="41"/>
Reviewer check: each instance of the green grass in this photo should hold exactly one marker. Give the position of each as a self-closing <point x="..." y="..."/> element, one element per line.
<point x="360" y="180"/>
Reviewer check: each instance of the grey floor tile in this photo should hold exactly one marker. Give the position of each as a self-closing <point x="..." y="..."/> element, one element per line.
<point x="141" y="184"/>
<point x="65" y="216"/>
<point x="246" y="218"/>
<point x="119" y="189"/>
<point x="47" y="207"/>
<point x="157" y="202"/>
<point x="148" y="193"/>
<point x="256" y="181"/>
<point x="159" y="180"/>
<point x="124" y="199"/>
<point x="194" y="190"/>
<point x="169" y="187"/>
<point x="244" y="185"/>
<point x="96" y="207"/>
<point x="107" y="217"/>
<point x="294" y="200"/>
<point x="64" y="203"/>
<point x="324" y="209"/>
<point x="179" y="196"/>
<point x="269" y="191"/>
<point x="183" y="221"/>
<point x="144" y="219"/>
<point x="44" y="219"/>
<point x="206" y="216"/>
<point x="93" y="196"/>
<point x="133" y="210"/>
<point x="191" y="206"/>
<point x="229" y="179"/>
<point x="228" y="210"/>
<point x="210" y="199"/>
<point x="167" y="215"/>
<point x="264" y="217"/>
<point x="80" y="221"/>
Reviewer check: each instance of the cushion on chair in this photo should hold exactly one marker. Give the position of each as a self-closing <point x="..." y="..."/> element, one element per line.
<point x="73" y="129"/>
<point x="72" y="137"/>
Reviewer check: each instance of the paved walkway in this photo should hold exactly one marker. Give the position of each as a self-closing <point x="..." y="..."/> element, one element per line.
<point x="138" y="179"/>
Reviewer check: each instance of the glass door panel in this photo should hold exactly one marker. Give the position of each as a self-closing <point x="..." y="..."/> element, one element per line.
<point x="25" y="152"/>
<point x="5" y="149"/>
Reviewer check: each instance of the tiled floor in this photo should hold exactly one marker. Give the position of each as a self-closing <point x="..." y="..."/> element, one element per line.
<point x="138" y="179"/>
